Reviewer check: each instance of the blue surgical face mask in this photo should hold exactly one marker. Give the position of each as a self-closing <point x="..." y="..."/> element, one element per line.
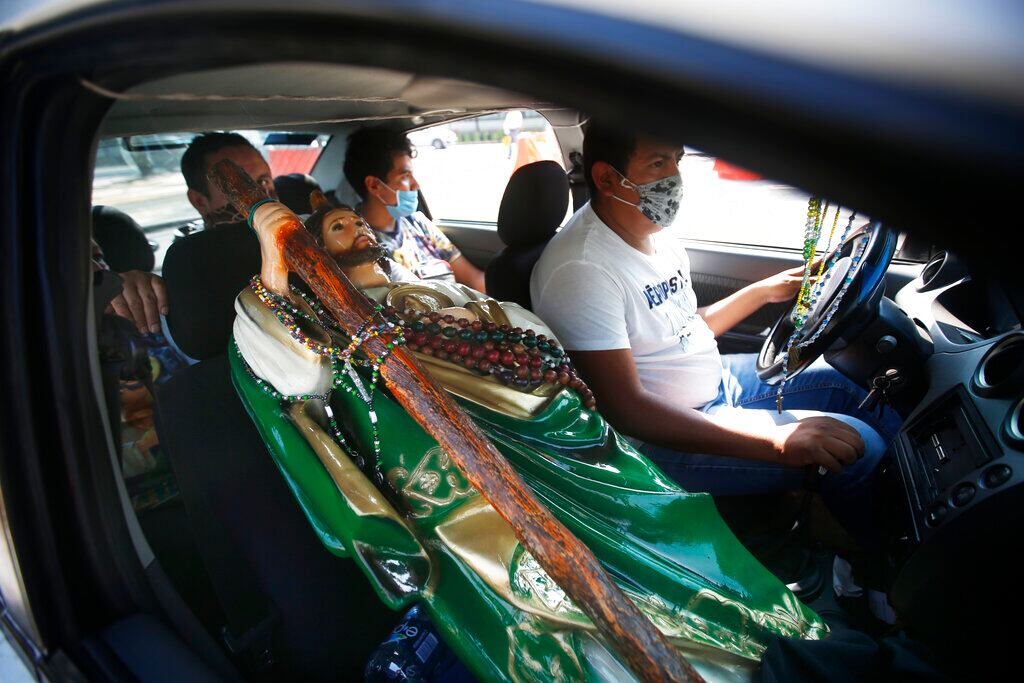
<point x="406" y="203"/>
<point x="659" y="199"/>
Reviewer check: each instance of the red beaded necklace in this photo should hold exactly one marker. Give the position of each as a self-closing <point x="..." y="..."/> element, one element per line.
<point x="512" y="355"/>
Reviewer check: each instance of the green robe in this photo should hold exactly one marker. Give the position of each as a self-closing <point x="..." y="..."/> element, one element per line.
<point x="421" y="533"/>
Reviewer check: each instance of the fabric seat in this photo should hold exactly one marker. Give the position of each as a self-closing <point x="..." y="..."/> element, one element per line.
<point x="204" y="272"/>
<point x="122" y="240"/>
<point x="330" y="620"/>
<point x="532" y="209"/>
<point x="293" y="191"/>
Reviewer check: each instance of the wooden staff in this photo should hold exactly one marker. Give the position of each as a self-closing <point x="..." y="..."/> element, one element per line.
<point x="563" y="556"/>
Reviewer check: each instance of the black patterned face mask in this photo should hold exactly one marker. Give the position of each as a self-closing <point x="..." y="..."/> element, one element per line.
<point x="659" y="199"/>
<point x="225" y="214"/>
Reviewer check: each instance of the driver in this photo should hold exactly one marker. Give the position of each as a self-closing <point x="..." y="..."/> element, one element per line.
<point x="616" y="290"/>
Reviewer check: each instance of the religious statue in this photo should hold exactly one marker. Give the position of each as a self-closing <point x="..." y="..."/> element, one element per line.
<point x="378" y="487"/>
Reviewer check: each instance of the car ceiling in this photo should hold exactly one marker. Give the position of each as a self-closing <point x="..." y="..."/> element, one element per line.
<point x="970" y="47"/>
<point x="322" y="97"/>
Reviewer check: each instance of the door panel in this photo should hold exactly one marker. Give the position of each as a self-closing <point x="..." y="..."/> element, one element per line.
<point x="478" y="242"/>
<point x="718" y="270"/>
<point x="711" y="288"/>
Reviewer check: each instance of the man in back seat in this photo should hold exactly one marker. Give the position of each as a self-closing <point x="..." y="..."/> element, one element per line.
<point x="378" y="166"/>
<point x="205" y="269"/>
<point x="206" y="150"/>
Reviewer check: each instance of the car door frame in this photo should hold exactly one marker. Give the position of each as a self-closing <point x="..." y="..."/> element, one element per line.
<point x="78" y="557"/>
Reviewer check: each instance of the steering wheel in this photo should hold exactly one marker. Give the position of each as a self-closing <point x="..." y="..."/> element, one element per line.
<point x="859" y="265"/>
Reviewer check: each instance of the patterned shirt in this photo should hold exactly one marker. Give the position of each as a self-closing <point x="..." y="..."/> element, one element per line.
<point x="420" y="246"/>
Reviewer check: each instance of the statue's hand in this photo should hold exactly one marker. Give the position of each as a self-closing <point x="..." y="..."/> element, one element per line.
<point x="268" y="219"/>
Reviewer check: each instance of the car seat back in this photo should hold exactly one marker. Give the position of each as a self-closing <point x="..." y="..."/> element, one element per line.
<point x="293" y="191"/>
<point x="122" y="240"/>
<point x="248" y="527"/>
<point x="204" y="272"/>
<point x="532" y="208"/>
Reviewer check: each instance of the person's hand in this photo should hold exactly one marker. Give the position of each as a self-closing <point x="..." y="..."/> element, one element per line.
<point x="142" y="299"/>
<point x="818" y="440"/>
<point x="785" y="285"/>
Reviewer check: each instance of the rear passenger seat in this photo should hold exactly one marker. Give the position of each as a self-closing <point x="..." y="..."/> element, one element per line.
<point x="293" y="191"/>
<point x="244" y="518"/>
<point x="122" y="240"/>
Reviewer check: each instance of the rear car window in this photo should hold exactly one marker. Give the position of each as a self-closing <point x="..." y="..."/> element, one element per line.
<point x="141" y="176"/>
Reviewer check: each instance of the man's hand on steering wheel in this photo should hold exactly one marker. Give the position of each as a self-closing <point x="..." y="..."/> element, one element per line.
<point x="853" y="285"/>
<point x="819" y="441"/>
<point x="784" y="286"/>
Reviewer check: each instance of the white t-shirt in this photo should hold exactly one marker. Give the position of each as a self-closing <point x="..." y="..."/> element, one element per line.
<point x="598" y="293"/>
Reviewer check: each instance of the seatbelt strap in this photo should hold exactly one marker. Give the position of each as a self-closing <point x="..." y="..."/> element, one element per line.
<point x="422" y="206"/>
<point x="577" y="181"/>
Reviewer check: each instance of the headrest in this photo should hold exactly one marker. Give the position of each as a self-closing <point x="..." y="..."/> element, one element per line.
<point x="204" y="272"/>
<point x="534" y="204"/>
<point x="122" y="240"/>
<point x="293" y="191"/>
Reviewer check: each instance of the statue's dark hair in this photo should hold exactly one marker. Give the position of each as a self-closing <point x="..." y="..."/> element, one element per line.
<point x="314" y="224"/>
<point x="371" y="152"/>
<point x="193" y="161"/>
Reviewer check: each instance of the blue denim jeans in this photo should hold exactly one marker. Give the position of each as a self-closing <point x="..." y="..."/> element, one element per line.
<point x="819" y="390"/>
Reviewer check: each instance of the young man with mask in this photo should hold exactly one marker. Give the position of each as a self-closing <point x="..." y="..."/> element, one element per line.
<point x="616" y="290"/>
<point x="378" y="166"/>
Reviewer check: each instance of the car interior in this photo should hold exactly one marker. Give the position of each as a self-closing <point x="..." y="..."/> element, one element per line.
<point x="232" y="571"/>
<point x="953" y="338"/>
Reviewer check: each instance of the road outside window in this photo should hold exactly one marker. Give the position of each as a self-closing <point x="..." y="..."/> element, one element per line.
<point x="464" y="166"/>
<point x="725" y="203"/>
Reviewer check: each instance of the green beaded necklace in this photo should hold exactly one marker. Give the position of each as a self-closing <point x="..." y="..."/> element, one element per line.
<point x="808" y="296"/>
<point x="342" y="360"/>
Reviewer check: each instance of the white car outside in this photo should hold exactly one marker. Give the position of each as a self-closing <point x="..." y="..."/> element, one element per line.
<point x="438" y="137"/>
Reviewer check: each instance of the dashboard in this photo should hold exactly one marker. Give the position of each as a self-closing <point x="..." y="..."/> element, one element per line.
<point x="952" y="494"/>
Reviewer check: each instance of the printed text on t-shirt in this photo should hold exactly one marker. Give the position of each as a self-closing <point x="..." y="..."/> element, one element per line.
<point x="659" y="293"/>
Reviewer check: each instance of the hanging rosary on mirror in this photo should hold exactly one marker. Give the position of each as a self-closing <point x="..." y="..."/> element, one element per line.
<point x="812" y="287"/>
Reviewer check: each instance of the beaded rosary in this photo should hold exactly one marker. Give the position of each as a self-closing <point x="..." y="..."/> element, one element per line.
<point x="381" y="321"/>
<point x="514" y="356"/>
<point x="808" y="297"/>
<point x="812" y="232"/>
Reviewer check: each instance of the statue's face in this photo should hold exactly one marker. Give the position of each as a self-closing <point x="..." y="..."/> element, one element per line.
<point x="344" y="231"/>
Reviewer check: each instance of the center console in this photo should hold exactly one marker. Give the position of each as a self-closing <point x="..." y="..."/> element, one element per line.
<point x="952" y="492"/>
<point x="944" y="456"/>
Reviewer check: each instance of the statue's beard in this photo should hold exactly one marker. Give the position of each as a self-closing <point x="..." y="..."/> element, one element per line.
<point x="361" y="257"/>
